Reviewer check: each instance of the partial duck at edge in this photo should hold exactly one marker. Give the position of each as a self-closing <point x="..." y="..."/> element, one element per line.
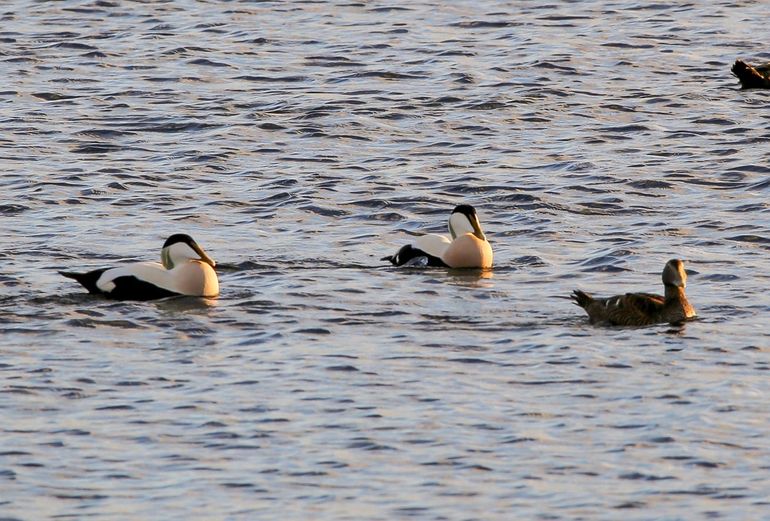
<point x="752" y="77"/>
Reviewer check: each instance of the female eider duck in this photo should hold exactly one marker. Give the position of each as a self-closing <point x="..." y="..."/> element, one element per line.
<point x="185" y="270"/>
<point x="757" y="77"/>
<point x="468" y="247"/>
<point x="642" y="309"/>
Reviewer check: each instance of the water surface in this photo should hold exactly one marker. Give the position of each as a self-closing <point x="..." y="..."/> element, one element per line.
<point x="299" y="143"/>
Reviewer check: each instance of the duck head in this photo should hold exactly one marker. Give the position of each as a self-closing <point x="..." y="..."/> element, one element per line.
<point x="464" y="220"/>
<point x="181" y="248"/>
<point x="674" y="274"/>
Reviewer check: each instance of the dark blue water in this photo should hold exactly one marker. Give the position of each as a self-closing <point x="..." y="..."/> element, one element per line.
<point x="298" y="142"/>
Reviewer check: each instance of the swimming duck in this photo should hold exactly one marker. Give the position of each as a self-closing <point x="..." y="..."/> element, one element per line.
<point x="641" y="309"/>
<point x="185" y="270"/>
<point x="468" y="247"/>
<point x="752" y="77"/>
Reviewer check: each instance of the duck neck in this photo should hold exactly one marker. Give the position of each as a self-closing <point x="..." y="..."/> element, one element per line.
<point x="674" y="293"/>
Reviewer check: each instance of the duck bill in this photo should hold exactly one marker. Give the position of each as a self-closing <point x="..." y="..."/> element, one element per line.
<point x="477" y="228"/>
<point x="204" y="256"/>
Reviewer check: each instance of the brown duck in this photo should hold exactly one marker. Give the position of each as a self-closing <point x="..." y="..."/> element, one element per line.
<point x="642" y="309"/>
<point x="752" y="77"/>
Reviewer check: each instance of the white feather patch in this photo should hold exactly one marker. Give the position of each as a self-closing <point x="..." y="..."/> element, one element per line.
<point x="151" y="272"/>
<point x="433" y="244"/>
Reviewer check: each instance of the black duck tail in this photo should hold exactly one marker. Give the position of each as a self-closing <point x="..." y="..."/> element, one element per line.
<point x="581" y="298"/>
<point x="749" y="77"/>
<point x="402" y="256"/>
<point x="87" y="280"/>
<point x="409" y="252"/>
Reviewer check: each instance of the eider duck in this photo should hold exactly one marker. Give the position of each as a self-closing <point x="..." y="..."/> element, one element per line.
<point x="185" y="270"/>
<point x="757" y="77"/>
<point x="641" y="309"/>
<point x="468" y="247"/>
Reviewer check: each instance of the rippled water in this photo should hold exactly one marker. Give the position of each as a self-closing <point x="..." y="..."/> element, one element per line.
<point x="298" y="142"/>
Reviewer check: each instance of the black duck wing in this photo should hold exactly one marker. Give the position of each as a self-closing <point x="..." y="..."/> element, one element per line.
<point x="129" y="287"/>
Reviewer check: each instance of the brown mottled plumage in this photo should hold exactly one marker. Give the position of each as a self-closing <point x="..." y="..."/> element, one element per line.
<point x="757" y="77"/>
<point x="642" y="309"/>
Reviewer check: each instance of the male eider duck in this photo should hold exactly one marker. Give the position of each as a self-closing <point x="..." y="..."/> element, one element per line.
<point x="757" y="77"/>
<point x="642" y="309"/>
<point x="185" y="270"/>
<point x="468" y="247"/>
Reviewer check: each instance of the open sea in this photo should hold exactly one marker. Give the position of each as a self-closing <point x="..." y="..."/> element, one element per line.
<point x="300" y="142"/>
